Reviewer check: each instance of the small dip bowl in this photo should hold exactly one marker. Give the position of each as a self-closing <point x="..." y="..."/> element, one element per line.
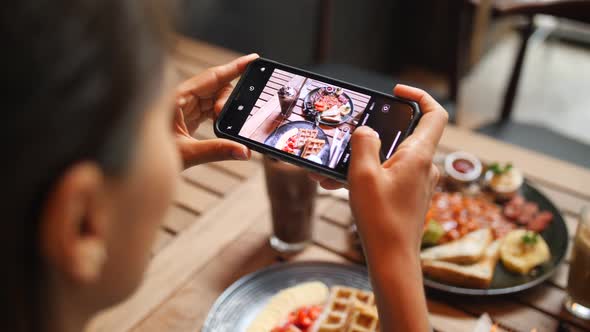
<point x="462" y="167"/>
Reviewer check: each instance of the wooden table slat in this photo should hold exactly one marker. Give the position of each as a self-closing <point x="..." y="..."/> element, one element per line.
<point x="339" y="212"/>
<point x="239" y="169"/>
<point x="212" y="179"/>
<point x="550" y="299"/>
<point x="178" y="218"/>
<point x="194" y="198"/>
<point x="163" y="238"/>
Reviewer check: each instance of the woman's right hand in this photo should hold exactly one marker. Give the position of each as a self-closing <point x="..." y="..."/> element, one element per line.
<point x="390" y="200"/>
<point x="389" y="203"/>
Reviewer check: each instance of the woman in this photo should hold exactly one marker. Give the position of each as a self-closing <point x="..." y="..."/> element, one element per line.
<point x="96" y="133"/>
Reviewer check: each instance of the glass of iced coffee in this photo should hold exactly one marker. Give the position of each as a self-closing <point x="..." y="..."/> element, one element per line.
<point x="292" y="196"/>
<point x="577" y="301"/>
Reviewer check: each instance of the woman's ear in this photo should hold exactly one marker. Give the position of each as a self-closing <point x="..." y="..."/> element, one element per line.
<point x="74" y="224"/>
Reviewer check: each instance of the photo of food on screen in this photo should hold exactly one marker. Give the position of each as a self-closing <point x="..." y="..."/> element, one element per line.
<point x="305" y="117"/>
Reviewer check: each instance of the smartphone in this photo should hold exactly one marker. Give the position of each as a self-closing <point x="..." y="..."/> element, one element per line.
<point x="307" y="119"/>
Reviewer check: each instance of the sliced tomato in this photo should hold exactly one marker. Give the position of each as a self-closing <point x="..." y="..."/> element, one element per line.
<point x="320" y="106"/>
<point x="301" y="315"/>
<point x="292" y="318"/>
<point x="315" y="312"/>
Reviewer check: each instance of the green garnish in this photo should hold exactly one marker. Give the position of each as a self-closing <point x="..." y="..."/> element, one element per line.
<point x="499" y="170"/>
<point x="530" y="238"/>
<point x="433" y="232"/>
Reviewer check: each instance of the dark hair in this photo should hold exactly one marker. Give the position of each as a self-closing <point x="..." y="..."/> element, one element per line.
<point x="75" y="78"/>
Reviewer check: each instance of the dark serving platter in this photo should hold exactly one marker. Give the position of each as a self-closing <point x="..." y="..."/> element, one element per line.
<point x="235" y="309"/>
<point x="506" y="282"/>
<point x="310" y="110"/>
<point x="273" y="138"/>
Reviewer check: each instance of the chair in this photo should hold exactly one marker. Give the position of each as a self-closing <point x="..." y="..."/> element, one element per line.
<point x="359" y="76"/>
<point x="531" y="136"/>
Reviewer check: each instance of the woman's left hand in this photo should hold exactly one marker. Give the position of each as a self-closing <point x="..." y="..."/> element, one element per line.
<point x="200" y="98"/>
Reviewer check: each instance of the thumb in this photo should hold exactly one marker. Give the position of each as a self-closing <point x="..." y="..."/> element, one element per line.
<point x="364" y="157"/>
<point x="197" y="152"/>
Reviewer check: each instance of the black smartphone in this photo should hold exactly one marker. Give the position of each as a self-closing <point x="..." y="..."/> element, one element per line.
<point x="307" y="119"/>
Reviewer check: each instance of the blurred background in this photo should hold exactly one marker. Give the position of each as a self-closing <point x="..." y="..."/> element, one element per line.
<point x="517" y="70"/>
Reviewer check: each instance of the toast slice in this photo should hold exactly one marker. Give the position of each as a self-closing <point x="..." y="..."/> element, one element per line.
<point x="477" y="275"/>
<point x="467" y="250"/>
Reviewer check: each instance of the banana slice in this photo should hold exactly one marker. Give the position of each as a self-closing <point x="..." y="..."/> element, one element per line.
<point x="290" y="299"/>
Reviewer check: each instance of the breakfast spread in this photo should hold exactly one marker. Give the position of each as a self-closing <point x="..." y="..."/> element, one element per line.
<point x="330" y="104"/>
<point x="476" y="221"/>
<point x="312" y="307"/>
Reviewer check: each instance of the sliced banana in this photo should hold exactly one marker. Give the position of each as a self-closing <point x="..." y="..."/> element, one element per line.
<point x="290" y="299"/>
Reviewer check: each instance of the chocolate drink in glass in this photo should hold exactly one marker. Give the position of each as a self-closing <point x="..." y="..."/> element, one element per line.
<point x="578" y="284"/>
<point x="292" y="197"/>
<point x="287" y="98"/>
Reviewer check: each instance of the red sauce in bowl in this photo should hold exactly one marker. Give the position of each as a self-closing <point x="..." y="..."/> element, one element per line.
<point x="463" y="166"/>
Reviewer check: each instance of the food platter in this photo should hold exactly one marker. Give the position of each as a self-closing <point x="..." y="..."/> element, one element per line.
<point x="314" y="106"/>
<point x="290" y="132"/>
<point x="238" y="305"/>
<point x="527" y="238"/>
<point x="504" y="281"/>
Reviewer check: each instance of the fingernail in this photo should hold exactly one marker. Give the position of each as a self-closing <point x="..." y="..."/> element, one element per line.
<point x="240" y="155"/>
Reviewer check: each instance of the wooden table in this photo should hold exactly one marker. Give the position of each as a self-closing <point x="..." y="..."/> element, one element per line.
<point x="218" y="228"/>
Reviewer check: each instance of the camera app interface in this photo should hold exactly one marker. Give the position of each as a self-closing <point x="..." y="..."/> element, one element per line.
<point x="313" y="119"/>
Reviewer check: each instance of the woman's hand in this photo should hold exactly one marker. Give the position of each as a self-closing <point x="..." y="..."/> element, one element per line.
<point x="402" y="186"/>
<point x="200" y="98"/>
<point x="389" y="202"/>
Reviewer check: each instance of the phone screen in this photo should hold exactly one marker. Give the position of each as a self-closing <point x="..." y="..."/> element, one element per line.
<point x="310" y="117"/>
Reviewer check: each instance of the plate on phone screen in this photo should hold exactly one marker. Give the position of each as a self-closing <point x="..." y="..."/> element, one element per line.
<point x="280" y="137"/>
<point x="319" y="101"/>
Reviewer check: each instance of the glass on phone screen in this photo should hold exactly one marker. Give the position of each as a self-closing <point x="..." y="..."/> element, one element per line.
<point x="313" y="118"/>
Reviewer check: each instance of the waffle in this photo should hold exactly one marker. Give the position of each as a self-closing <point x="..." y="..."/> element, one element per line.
<point x="304" y="135"/>
<point x="313" y="147"/>
<point x="363" y="319"/>
<point x="349" y="310"/>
